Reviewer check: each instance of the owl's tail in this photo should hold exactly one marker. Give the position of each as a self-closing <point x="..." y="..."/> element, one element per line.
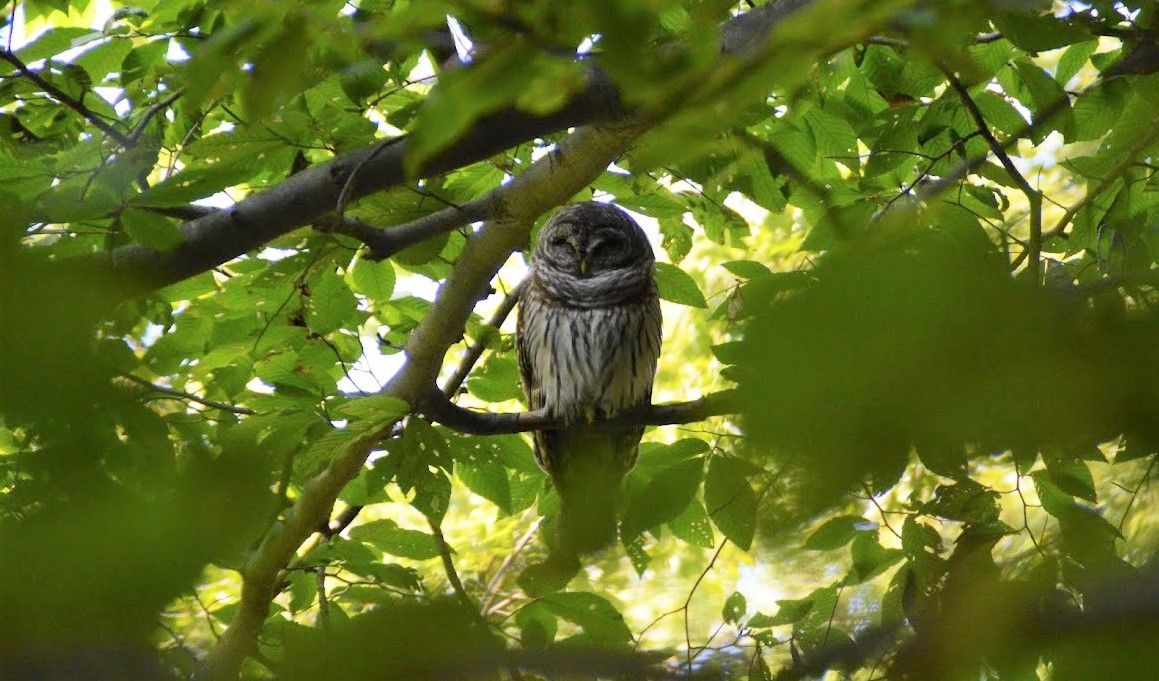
<point x="589" y="489"/>
<point x="587" y="515"/>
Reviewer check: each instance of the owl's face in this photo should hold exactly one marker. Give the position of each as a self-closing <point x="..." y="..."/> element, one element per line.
<point x="588" y="239"/>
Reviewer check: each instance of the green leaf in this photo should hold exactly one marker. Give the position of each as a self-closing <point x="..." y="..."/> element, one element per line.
<point x="537" y="625"/>
<point x="730" y="500"/>
<point x="832" y="134"/>
<point x="634" y="547"/>
<point x="488" y="481"/>
<point x="747" y="269"/>
<point x="497" y="380"/>
<point x="331" y="304"/>
<point x="303" y="590"/>
<point x="375" y="280"/>
<point x="373" y="407"/>
<point x="692" y="526"/>
<point x="790" y="611"/>
<point x="734" y="608"/>
<point x="150" y="229"/>
<point x="676" y="286"/>
<point x="759" y="669"/>
<point x="1039" y="33"/>
<point x="1072" y="476"/>
<point x="999" y="112"/>
<point x="870" y="558"/>
<point x="386" y="535"/>
<point x="279" y="69"/>
<point x="676" y="237"/>
<point x="56" y="40"/>
<point x="837" y="532"/>
<point x="664" y="497"/>
<point x="1073" y="59"/>
<point x="1054" y="501"/>
<point x="194" y="183"/>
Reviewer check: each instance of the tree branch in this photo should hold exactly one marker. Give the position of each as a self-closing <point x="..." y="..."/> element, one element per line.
<point x="441" y="410"/>
<point x="385" y="242"/>
<point x="1114" y="174"/>
<point x="453" y="574"/>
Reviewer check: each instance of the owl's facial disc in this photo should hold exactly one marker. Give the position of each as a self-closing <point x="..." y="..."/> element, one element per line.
<point x="588" y="239"/>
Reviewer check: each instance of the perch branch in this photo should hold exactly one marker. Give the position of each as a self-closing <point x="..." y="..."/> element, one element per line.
<point x="441" y="410"/>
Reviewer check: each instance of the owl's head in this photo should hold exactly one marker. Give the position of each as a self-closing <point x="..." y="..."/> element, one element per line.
<point x="589" y="239"/>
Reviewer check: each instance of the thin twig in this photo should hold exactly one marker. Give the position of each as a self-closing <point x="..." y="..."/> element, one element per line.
<point x="688" y="601"/>
<point x="135" y="134"/>
<point x="452" y="573"/>
<point x="64" y="98"/>
<point x="508" y="561"/>
<point x="1135" y="493"/>
<point x="473" y="353"/>
<point x="1033" y="196"/>
<point x="182" y="395"/>
<point x="323" y="599"/>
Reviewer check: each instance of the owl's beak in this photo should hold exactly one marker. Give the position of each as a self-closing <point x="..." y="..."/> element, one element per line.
<point x="584" y="266"/>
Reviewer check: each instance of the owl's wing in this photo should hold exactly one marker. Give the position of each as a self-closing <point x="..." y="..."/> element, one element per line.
<point x="532" y="385"/>
<point x="527" y="374"/>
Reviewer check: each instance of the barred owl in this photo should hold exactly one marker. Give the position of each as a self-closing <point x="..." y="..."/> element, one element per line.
<point x="588" y="339"/>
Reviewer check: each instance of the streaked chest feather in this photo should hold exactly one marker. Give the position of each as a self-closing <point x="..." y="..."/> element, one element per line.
<point x="592" y="361"/>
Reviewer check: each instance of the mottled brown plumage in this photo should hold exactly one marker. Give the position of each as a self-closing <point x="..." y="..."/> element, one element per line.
<point x="588" y="340"/>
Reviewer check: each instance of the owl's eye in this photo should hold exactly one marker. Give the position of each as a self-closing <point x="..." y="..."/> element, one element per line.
<point x="608" y="244"/>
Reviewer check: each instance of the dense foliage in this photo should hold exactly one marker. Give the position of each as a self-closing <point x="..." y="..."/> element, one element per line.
<point x="908" y="251"/>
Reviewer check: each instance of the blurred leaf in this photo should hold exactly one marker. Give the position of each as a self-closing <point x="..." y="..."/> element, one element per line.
<point x="731" y="503"/>
<point x="663" y="497"/>
<point x="599" y="619"/>
<point x="837" y="532"/>
<point x="388" y="536"/>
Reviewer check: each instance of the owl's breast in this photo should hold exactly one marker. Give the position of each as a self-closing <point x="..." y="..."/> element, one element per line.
<point x="591" y="361"/>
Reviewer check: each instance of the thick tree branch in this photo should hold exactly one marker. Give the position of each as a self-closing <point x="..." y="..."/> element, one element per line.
<point x="214" y="239"/>
<point x="441" y="410"/>
<point x="548" y="182"/>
